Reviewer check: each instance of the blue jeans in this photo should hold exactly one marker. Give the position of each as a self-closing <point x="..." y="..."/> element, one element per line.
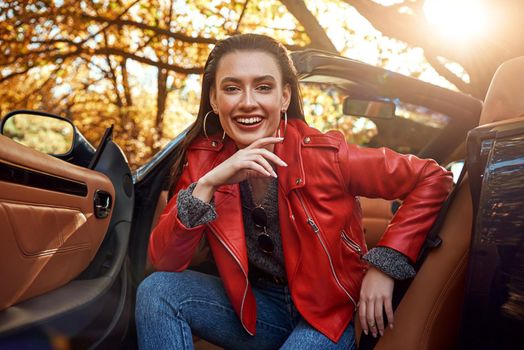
<point x="171" y="306"/>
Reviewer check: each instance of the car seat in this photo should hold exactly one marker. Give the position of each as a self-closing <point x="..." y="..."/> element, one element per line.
<point x="429" y="315"/>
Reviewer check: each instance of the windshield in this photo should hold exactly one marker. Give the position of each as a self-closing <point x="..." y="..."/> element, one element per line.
<point x="412" y="129"/>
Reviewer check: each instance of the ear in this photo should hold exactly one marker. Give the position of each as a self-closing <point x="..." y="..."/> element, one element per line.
<point x="286" y="97"/>
<point x="213" y="99"/>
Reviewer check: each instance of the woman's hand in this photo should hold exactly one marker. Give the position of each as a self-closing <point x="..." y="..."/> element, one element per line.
<point x="252" y="161"/>
<point x="375" y="296"/>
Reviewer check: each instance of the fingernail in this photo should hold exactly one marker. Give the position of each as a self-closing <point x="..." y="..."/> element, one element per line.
<point x="374" y="335"/>
<point x="381" y="333"/>
<point x="285" y="164"/>
<point x="365" y="332"/>
<point x="391" y="325"/>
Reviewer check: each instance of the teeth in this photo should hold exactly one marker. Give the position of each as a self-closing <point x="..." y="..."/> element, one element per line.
<point x="251" y="120"/>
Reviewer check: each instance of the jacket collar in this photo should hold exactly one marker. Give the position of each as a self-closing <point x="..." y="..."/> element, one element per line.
<point x="292" y="176"/>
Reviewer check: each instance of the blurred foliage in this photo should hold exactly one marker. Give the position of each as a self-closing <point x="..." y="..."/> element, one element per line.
<point x="45" y="134"/>
<point x="136" y="63"/>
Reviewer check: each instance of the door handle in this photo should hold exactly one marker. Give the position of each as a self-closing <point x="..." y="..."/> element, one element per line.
<point x="103" y="204"/>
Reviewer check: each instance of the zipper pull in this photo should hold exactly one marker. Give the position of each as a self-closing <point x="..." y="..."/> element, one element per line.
<point x="313" y="225"/>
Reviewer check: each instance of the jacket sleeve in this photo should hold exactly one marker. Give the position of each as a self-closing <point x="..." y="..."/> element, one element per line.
<point x="193" y="211"/>
<point x="171" y="243"/>
<point x="421" y="184"/>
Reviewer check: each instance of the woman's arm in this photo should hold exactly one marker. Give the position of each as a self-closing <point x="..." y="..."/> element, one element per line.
<point x="423" y="186"/>
<point x="173" y="241"/>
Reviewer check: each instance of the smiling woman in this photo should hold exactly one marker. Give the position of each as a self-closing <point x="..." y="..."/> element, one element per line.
<point x="459" y="19"/>
<point x="275" y="200"/>
<point x="248" y="100"/>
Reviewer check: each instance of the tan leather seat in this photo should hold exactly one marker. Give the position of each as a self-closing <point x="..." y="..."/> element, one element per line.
<point x="376" y="215"/>
<point x="429" y="315"/>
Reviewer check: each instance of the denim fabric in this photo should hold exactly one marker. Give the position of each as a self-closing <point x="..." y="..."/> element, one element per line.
<point x="171" y="306"/>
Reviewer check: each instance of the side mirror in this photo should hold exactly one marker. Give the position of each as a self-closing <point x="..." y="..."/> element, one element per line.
<point x="369" y="108"/>
<point x="41" y="131"/>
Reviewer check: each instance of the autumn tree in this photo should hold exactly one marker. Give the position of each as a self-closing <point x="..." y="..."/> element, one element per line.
<point x="136" y="63"/>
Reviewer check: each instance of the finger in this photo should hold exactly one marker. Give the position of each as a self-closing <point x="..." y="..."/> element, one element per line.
<point x="264" y="163"/>
<point x="255" y="167"/>
<point x="370" y="316"/>
<point x="389" y="312"/>
<point x="362" y="316"/>
<point x="379" y="316"/>
<point x="264" y="142"/>
<point x="271" y="156"/>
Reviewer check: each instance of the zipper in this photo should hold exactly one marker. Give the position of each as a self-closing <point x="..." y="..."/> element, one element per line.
<point x="351" y="243"/>
<point x="315" y="228"/>
<point x="243" y="271"/>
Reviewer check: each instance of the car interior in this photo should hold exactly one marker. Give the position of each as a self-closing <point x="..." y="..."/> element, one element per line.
<point x="78" y="253"/>
<point x="429" y="315"/>
<point x="65" y="224"/>
<point x="492" y="313"/>
<point x="54" y="229"/>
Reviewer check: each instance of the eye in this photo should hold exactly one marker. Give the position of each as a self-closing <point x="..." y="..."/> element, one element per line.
<point x="230" y="88"/>
<point x="264" y="87"/>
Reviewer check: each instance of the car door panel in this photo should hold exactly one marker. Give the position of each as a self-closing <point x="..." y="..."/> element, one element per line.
<point x="49" y="234"/>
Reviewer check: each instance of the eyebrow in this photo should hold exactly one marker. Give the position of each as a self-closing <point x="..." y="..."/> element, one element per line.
<point x="256" y="80"/>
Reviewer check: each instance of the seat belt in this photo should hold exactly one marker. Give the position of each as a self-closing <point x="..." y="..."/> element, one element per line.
<point x="432" y="241"/>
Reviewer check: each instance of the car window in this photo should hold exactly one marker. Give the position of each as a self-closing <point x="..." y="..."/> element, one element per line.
<point x="413" y="128"/>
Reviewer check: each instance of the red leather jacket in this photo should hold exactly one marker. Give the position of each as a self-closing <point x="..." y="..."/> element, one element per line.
<point x="320" y="220"/>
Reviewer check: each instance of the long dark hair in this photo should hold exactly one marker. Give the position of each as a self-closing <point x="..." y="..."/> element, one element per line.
<point x="242" y="42"/>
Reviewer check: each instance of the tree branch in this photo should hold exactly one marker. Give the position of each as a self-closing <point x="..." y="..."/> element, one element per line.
<point x="316" y="33"/>
<point x="14" y="74"/>
<point x="110" y="22"/>
<point x="157" y="30"/>
<point x="241" y="15"/>
<point x="35" y="91"/>
<point x="148" y="61"/>
<point x="448" y="75"/>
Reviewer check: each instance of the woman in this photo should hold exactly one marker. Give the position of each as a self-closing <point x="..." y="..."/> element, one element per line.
<point x="277" y="203"/>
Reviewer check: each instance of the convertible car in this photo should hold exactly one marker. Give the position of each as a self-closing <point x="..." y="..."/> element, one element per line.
<point x="75" y="220"/>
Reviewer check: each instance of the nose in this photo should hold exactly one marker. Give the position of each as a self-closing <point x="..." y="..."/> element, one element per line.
<point x="248" y="100"/>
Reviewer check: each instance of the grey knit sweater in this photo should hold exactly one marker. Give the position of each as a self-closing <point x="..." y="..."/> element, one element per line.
<point x="193" y="212"/>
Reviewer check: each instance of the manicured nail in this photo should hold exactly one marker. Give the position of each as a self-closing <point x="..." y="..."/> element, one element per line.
<point x="391" y="325"/>
<point x="381" y="333"/>
<point x="374" y="335"/>
<point x="275" y="174"/>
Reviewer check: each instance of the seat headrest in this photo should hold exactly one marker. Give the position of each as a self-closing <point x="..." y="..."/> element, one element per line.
<point x="505" y="97"/>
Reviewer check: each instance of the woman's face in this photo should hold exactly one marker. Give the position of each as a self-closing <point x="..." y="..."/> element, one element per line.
<point x="249" y="96"/>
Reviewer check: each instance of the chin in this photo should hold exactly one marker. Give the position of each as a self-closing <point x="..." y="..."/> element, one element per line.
<point x="245" y="141"/>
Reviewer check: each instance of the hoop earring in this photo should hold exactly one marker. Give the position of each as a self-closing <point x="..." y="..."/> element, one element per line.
<point x="285" y="125"/>
<point x="204" y="126"/>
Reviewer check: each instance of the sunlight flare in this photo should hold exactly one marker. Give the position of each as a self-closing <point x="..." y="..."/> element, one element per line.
<point x="460" y="19"/>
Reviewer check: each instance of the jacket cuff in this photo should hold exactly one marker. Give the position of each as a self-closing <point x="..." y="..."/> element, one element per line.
<point x="192" y="211"/>
<point x="391" y="262"/>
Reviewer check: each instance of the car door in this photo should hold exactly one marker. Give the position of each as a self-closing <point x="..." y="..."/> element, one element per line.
<point x="65" y="223"/>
